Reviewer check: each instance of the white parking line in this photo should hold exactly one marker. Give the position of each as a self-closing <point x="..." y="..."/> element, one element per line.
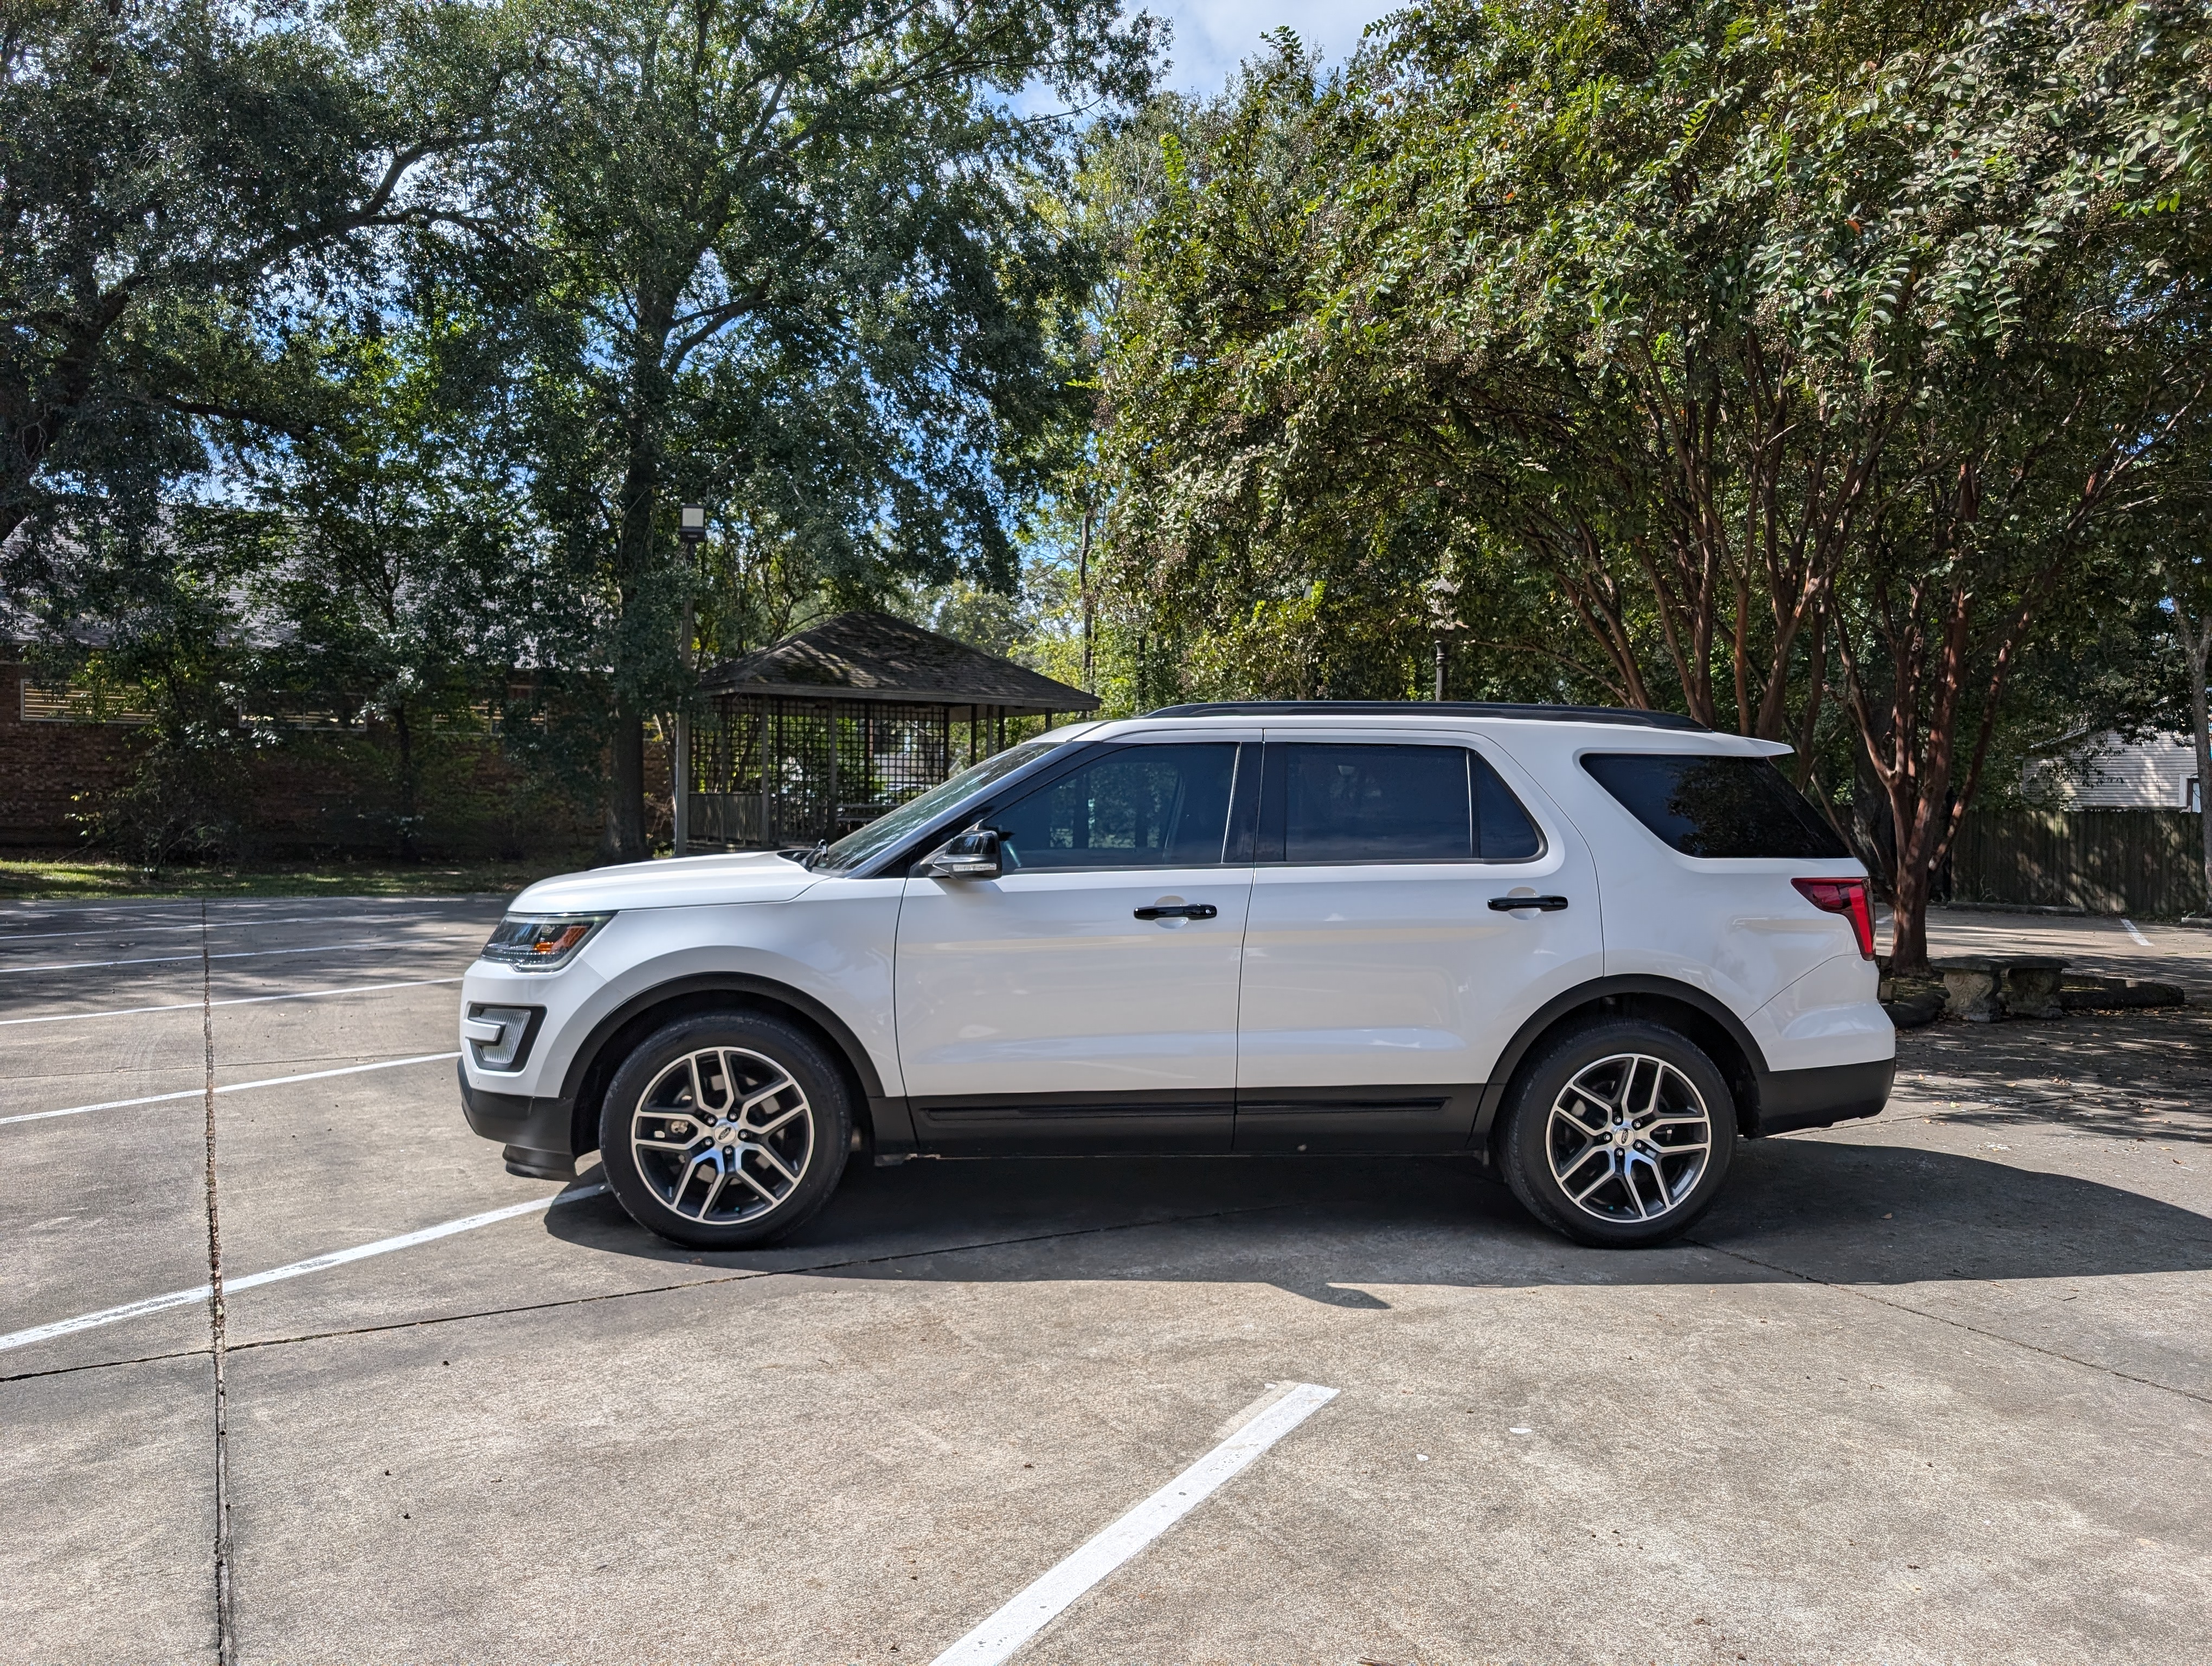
<point x="234" y="1088"/>
<point x="109" y="1315"/>
<point x="1043" y="1602"/>
<point x="235" y="1000"/>
<point x="227" y="954"/>
<point x="2133" y="932"/>
<point x="247" y="924"/>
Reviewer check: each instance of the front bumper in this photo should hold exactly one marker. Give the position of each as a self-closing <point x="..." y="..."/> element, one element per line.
<point x="536" y="1134"/>
<point x="1815" y="1098"/>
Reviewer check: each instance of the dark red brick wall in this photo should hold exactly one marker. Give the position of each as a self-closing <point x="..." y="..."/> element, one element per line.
<point x="313" y="793"/>
<point x="52" y="772"/>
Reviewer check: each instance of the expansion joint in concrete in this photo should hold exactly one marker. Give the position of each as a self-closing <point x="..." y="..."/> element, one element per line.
<point x="1866" y="1295"/>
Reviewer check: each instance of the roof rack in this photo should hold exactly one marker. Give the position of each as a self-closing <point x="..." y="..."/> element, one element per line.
<point x="1622" y="715"/>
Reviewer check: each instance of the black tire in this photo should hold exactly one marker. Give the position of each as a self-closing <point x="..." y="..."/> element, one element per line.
<point x="1641" y="1183"/>
<point x="676" y="1118"/>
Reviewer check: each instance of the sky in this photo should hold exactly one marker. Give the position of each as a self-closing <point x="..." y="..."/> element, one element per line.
<point x="1212" y="36"/>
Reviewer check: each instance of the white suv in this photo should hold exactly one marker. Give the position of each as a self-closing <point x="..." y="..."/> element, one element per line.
<point x="1590" y="949"/>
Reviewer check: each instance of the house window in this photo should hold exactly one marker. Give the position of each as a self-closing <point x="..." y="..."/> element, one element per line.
<point x="45" y="702"/>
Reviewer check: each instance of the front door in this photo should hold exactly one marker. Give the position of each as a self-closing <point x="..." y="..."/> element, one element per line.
<point x="1086" y="999"/>
<point x="1380" y="984"/>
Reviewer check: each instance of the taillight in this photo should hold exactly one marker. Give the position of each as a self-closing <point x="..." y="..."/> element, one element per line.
<point x="1847" y="897"/>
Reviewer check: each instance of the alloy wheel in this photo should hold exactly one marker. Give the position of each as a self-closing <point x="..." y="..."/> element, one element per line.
<point x="1628" y="1138"/>
<point x="722" y="1135"/>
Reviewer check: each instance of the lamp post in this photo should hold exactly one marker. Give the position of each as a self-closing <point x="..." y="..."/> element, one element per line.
<point x="692" y="530"/>
<point x="1443" y="593"/>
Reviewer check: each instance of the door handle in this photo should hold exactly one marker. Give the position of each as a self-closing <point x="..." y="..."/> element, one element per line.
<point x="1178" y="911"/>
<point x="1542" y="904"/>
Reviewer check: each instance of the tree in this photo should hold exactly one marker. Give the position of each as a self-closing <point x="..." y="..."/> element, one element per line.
<point x="1765" y="334"/>
<point x="163" y="164"/>
<point x="2187" y="569"/>
<point x="404" y="587"/>
<point x="1579" y="275"/>
<point x="790" y="259"/>
<point x="2054" y="381"/>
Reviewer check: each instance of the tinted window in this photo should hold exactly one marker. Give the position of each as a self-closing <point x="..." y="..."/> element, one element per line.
<point x="1143" y="807"/>
<point x="1716" y="806"/>
<point x="1502" y="827"/>
<point x="1392" y="804"/>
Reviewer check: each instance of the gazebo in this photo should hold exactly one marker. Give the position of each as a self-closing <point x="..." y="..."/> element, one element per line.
<point x="838" y="723"/>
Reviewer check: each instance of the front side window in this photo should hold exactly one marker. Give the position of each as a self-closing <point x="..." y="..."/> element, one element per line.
<point x="1391" y="804"/>
<point x="1711" y="805"/>
<point x="865" y="844"/>
<point x="1139" y="807"/>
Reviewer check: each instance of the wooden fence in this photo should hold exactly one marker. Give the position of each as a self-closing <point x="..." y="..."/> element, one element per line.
<point x="2108" y="861"/>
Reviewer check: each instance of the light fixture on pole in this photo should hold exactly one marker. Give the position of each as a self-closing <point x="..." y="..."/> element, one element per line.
<point x="1443" y="594"/>
<point x="691" y="532"/>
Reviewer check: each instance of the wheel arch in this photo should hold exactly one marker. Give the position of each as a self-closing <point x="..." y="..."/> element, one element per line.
<point x="612" y="1038"/>
<point x="1704" y="1020"/>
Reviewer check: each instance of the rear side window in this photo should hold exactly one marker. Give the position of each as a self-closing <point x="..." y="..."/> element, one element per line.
<point x="1704" y="806"/>
<point x="1390" y="804"/>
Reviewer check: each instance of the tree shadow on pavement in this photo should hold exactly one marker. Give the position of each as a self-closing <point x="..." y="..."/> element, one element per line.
<point x="2134" y="1076"/>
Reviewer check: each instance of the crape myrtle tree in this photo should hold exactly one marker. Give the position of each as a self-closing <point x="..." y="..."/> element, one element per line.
<point x="791" y="258"/>
<point x="1572" y="279"/>
<point x="1778" y="339"/>
<point x="2057" y="371"/>
<point x="2192" y="613"/>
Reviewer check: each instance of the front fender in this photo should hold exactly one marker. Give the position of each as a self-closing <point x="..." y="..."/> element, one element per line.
<point x="829" y="954"/>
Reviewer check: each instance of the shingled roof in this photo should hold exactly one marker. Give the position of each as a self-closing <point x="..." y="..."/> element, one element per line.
<point x="873" y="656"/>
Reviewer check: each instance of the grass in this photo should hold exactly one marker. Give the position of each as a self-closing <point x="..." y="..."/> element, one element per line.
<point x="82" y="878"/>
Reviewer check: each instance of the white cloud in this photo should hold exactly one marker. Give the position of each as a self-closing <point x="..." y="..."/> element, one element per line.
<point x="1212" y="36"/>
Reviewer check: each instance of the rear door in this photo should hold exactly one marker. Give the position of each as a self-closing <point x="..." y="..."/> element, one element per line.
<point x="1380" y="984"/>
<point x="1086" y="999"/>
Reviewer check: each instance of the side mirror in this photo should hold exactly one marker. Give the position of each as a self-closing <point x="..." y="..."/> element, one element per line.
<point x="970" y="855"/>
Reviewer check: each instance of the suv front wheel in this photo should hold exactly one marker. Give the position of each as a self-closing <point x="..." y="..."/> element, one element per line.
<point x="1619" y="1134"/>
<point x="725" y="1130"/>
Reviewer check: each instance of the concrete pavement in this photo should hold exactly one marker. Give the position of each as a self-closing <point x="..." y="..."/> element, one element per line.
<point x="1934" y="1387"/>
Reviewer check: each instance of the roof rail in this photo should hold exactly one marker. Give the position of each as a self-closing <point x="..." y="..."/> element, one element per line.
<point x="1623" y="715"/>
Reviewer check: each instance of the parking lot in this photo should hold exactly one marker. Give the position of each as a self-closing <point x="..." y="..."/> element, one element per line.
<point x="1931" y="1388"/>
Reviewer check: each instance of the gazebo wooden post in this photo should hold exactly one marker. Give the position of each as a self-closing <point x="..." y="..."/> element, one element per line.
<point x="767" y="836"/>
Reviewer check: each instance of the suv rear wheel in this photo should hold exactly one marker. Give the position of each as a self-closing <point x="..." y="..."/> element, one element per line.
<point x="725" y="1130"/>
<point x="1619" y="1134"/>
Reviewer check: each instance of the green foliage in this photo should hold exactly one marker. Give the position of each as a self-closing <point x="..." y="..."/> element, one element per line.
<point x="1783" y="354"/>
<point x="1830" y="372"/>
<point x="165" y="167"/>
<point x="469" y="298"/>
<point x="794" y="262"/>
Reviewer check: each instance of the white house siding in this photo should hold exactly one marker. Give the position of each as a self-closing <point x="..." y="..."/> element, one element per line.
<point x="2106" y="772"/>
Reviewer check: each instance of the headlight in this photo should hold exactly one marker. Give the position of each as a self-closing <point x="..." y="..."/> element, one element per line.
<point x="542" y="942"/>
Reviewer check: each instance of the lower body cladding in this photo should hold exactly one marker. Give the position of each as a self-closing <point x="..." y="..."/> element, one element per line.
<point x="539" y="1135"/>
<point x="1394" y="1119"/>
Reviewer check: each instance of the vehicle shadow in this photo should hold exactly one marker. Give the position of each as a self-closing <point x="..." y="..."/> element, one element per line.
<point x="1334" y="1230"/>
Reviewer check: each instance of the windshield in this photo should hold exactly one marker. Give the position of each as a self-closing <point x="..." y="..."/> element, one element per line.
<point x="865" y="843"/>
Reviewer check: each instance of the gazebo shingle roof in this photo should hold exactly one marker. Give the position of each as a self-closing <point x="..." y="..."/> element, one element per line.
<point x="873" y="656"/>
